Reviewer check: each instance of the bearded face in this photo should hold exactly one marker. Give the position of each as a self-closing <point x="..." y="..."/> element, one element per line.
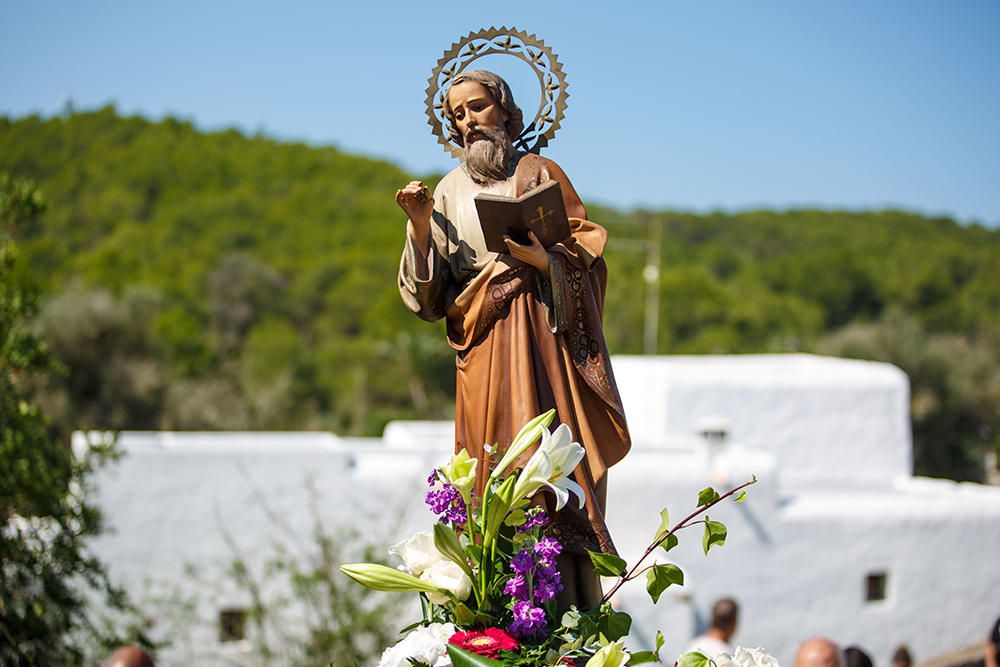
<point x="487" y="154"/>
<point x="481" y="123"/>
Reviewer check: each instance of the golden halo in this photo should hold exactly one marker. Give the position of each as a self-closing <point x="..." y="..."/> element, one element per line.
<point x="512" y="42"/>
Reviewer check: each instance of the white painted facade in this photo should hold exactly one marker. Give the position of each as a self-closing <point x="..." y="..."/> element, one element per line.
<point x="828" y="439"/>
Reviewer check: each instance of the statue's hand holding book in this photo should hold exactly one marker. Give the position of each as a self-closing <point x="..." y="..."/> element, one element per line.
<point x="541" y="211"/>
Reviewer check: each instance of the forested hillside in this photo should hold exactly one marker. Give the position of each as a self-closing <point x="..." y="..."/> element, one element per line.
<point x="198" y="280"/>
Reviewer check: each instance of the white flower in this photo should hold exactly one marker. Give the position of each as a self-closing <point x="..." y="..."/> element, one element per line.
<point x="612" y="655"/>
<point x="753" y="657"/>
<point x="422" y="559"/>
<point x="550" y="466"/>
<point x="525" y="438"/>
<point x="461" y="473"/>
<point x="417" y="553"/>
<point x="448" y="575"/>
<point x="428" y="645"/>
<point x="723" y="660"/>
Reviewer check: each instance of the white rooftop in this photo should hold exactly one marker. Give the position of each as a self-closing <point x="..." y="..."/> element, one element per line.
<point x="830" y="421"/>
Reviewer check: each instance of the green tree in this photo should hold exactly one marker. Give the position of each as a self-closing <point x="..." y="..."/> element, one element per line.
<point x="954" y="390"/>
<point x="49" y="577"/>
<point x="213" y="280"/>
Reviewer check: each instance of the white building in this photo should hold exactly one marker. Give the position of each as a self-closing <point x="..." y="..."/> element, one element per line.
<point x="837" y="538"/>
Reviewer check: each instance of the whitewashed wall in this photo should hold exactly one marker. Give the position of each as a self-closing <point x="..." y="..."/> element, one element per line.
<point x="828" y="439"/>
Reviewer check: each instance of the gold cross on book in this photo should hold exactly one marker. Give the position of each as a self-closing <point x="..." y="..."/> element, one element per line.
<point x="540" y="221"/>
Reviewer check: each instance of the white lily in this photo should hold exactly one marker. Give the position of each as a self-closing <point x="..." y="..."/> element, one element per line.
<point x="550" y="466"/>
<point x="448" y="576"/>
<point x="417" y="552"/>
<point x="525" y="438"/>
<point x="422" y="560"/>
<point x="461" y="473"/>
<point x="612" y="655"/>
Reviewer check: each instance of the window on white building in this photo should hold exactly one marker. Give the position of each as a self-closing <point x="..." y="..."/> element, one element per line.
<point x="232" y="625"/>
<point x="875" y="586"/>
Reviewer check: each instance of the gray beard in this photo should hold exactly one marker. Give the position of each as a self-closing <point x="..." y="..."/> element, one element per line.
<point x="486" y="159"/>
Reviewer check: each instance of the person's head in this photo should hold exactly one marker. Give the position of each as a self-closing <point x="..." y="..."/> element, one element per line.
<point x="854" y="656"/>
<point x="901" y="657"/>
<point x="484" y="120"/>
<point x="725" y="615"/>
<point x="818" y="652"/>
<point x="129" y="656"/>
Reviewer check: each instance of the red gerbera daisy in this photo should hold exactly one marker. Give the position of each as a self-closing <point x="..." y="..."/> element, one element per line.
<point x="488" y="642"/>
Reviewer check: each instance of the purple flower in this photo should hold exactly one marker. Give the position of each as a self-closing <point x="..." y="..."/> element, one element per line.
<point x="548" y="548"/>
<point x="536" y="577"/>
<point x="455" y="515"/>
<point x="517" y="586"/>
<point x="523" y="562"/>
<point x="529" y="621"/>
<point x="536" y="518"/>
<point x="547" y="587"/>
<point x="445" y="501"/>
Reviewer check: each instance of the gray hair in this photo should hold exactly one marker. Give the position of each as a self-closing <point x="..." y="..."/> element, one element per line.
<point x="498" y="90"/>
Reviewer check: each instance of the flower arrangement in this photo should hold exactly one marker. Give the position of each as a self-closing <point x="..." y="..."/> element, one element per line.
<point x="487" y="574"/>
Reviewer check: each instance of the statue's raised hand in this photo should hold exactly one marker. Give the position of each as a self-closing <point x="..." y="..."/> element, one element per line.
<point x="416" y="201"/>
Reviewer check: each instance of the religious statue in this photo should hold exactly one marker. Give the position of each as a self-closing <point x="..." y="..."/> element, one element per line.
<point x="526" y="325"/>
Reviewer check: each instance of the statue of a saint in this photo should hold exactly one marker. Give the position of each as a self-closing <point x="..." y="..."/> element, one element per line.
<point x="526" y="325"/>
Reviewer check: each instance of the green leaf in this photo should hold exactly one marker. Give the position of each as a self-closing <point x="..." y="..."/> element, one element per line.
<point x="607" y="565"/>
<point x="447" y="543"/>
<point x="464" y="616"/>
<point x="462" y="658"/>
<point x="715" y="534"/>
<point x="659" y="642"/>
<point x="741" y="496"/>
<point x="707" y="495"/>
<point x="519" y="540"/>
<point x="694" y="659"/>
<point x="570" y="619"/>
<point x="669" y="543"/>
<point x="497" y="506"/>
<point x="615" y="625"/>
<point x="515" y="518"/>
<point x="643" y="657"/>
<point x="412" y="626"/>
<point x="661" y="577"/>
<point x="664" y="523"/>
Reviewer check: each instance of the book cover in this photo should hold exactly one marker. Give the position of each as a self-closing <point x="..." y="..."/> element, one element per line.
<point x="540" y="210"/>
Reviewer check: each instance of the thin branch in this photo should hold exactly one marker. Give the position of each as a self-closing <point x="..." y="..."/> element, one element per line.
<point x="634" y="572"/>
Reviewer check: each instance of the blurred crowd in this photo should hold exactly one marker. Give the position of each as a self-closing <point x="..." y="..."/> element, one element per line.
<point x="823" y="651"/>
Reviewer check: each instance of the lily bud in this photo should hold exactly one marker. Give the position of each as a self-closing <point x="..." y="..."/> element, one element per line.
<point x="382" y="578"/>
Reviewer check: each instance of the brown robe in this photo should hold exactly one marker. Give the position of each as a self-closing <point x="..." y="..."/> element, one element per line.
<point x="526" y="342"/>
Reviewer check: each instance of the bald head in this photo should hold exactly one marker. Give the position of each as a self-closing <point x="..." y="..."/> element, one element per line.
<point x="818" y="652"/>
<point x="129" y="656"/>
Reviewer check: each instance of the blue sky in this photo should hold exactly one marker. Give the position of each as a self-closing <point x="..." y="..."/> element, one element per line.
<point x="693" y="105"/>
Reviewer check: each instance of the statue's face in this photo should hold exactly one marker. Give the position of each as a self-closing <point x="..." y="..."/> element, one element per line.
<point x="474" y="108"/>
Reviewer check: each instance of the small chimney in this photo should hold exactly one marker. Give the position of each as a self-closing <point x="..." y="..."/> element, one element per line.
<point x="714" y="429"/>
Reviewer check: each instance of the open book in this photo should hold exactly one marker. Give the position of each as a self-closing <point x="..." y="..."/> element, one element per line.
<point x="541" y="210"/>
